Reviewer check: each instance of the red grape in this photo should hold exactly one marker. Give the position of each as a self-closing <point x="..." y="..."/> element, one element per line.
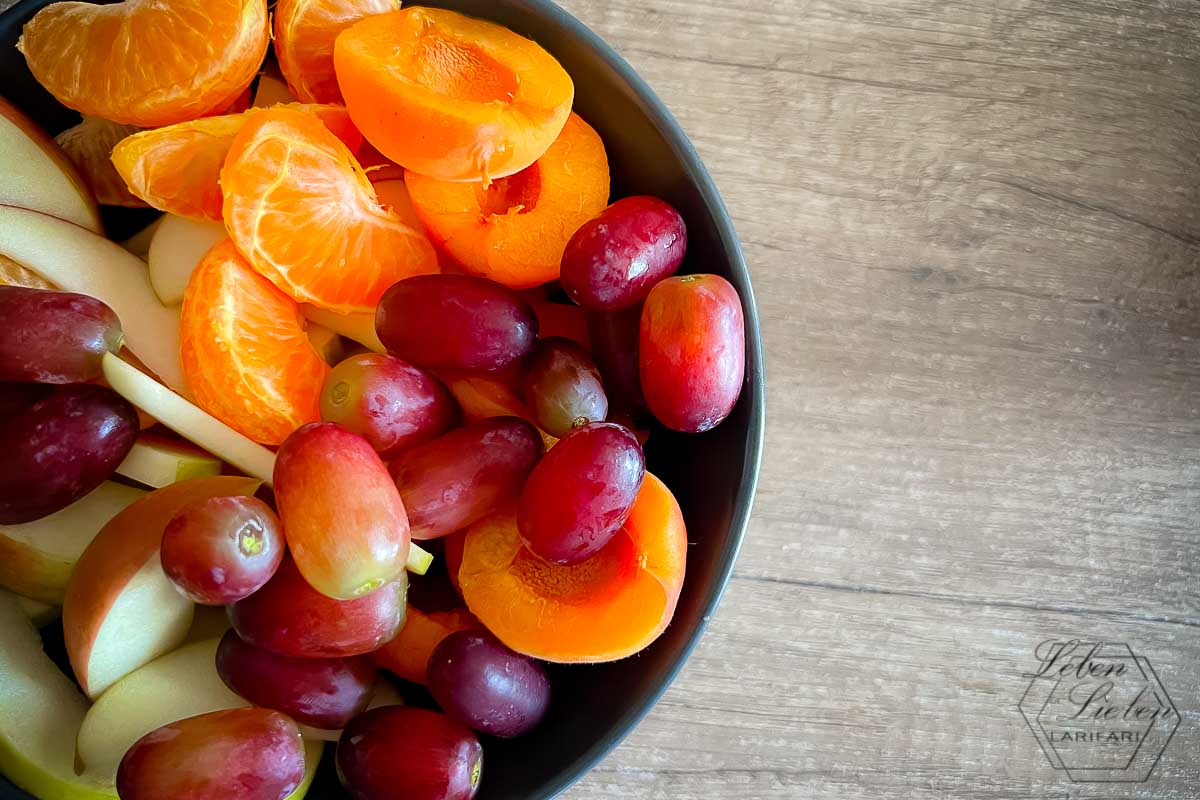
<point x="222" y="549"/>
<point x="60" y="447"/>
<point x="391" y="403"/>
<point x="580" y="494"/>
<point x="562" y="386"/>
<point x="692" y="351"/>
<point x="321" y="692"/>
<point x="486" y="686"/>
<point x="289" y="617"/>
<point x="615" y="350"/>
<point x="342" y="516"/>
<point x="458" y="478"/>
<point x="613" y="260"/>
<point x="243" y="753"/>
<point x="410" y="753"/>
<point x="54" y="337"/>
<point x="455" y="322"/>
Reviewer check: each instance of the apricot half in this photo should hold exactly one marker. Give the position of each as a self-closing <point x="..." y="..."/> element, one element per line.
<point x="608" y="607"/>
<point x="514" y="230"/>
<point x="449" y="96"/>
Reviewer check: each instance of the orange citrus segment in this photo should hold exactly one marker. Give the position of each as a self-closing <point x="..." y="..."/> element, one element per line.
<point x="304" y="34"/>
<point x="178" y="168"/>
<point x="245" y="353"/>
<point x="302" y="212"/>
<point x="147" y="62"/>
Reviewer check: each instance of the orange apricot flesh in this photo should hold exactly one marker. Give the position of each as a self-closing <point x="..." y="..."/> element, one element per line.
<point x="603" y="609"/>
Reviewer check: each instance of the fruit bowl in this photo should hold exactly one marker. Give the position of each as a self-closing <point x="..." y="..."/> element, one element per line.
<point x="713" y="474"/>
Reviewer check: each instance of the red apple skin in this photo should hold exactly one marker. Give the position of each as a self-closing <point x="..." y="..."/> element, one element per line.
<point x="243" y="753"/>
<point x="398" y="751"/>
<point x="321" y="692"/>
<point x="289" y="617"/>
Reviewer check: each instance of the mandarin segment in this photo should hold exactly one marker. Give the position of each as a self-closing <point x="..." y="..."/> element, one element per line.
<point x="177" y="169"/>
<point x="245" y="353"/>
<point x="147" y="63"/>
<point x="449" y="96"/>
<point x="608" y="607"/>
<point x="514" y="231"/>
<point x="304" y="34"/>
<point x="302" y="212"/>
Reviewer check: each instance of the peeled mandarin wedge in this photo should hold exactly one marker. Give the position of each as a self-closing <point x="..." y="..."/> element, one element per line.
<point x="304" y="34"/>
<point x="514" y="231"/>
<point x="147" y="62"/>
<point x="608" y="607"/>
<point x="246" y="356"/>
<point x="452" y="97"/>
<point x="177" y="169"/>
<point x="302" y="212"/>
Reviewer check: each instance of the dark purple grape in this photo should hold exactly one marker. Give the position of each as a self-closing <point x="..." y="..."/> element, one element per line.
<point x="458" y="478"/>
<point x="580" y="493"/>
<point x="455" y="322"/>
<point x="614" y="260"/>
<point x="389" y="402"/>
<point x="321" y="692"/>
<point x="486" y="686"/>
<point x="562" y="386"/>
<point x="54" y="337"/>
<point x="60" y="447"/>
<point x="410" y="753"/>
<point x="615" y="350"/>
<point x="17" y="397"/>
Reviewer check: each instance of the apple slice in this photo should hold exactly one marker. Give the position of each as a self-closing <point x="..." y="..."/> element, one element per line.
<point x="121" y="611"/>
<point x="180" y="684"/>
<point x="156" y="461"/>
<point x="39" y="176"/>
<point x="188" y="420"/>
<point x="36" y="558"/>
<point x="326" y="342"/>
<point x="359" y="327"/>
<point x="176" y="249"/>
<point x="13" y="274"/>
<point x="39" y="614"/>
<point x="77" y="260"/>
<point x="139" y="243"/>
<point x="40" y="714"/>
<point x="272" y="88"/>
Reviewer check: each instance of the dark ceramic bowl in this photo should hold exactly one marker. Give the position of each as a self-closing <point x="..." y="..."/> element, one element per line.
<point x="713" y="474"/>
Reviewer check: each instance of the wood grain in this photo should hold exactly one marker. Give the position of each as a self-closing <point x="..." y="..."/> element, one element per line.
<point x="974" y="233"/>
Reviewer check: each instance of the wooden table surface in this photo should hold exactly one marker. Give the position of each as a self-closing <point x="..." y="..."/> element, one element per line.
<point x="974" y="233"/>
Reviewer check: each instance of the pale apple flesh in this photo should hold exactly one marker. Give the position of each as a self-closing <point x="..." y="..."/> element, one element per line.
<point x="139" y="243"/>
<point x="121" y="610"/>
<point x="180" y="684"/>
<point x="188" y="420"/>
<point x="176" y="249"/>
<point x="156" y="462"/>
<point x="360" y="327"/>
<point x="40" y="714"/>
<point x="39" y="176"/>
<point x="77" y="260"/>
<point x="36" y="558"/>
<point x="40" y="614"/>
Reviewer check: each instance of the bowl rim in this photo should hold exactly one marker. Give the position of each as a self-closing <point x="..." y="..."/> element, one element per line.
<point x="753" y="391"/>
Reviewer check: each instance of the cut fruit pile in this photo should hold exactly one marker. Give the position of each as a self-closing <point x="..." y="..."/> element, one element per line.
<point x="388" y="304"/>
